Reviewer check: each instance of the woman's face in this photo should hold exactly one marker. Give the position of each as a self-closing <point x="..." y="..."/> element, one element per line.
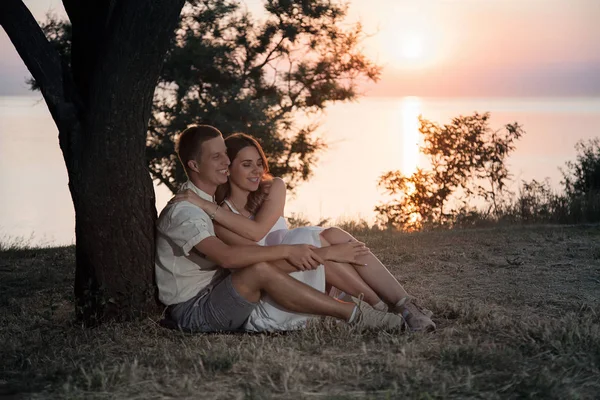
<point x="247" y="169"/>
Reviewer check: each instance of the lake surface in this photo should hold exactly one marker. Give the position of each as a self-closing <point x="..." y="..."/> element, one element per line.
<point x="367" y="138"/>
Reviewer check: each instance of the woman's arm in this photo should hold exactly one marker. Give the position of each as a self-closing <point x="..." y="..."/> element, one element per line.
<point x="254" y="230"/>
<point x="191" y="197"/>
<point x="268" y="214"/>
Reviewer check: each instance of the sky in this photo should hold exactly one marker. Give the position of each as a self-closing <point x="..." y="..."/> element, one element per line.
<point x="445" y="48"/>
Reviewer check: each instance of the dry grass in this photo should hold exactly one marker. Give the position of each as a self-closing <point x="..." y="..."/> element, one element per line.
<point x="517" y="312"/>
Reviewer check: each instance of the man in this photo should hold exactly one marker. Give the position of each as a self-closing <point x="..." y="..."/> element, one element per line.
<point x="210" y="286"/>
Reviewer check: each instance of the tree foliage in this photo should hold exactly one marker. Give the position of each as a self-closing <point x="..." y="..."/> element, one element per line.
<point x="582" y="176"/>
<point x="467" y="160"/>
<point x="269" y="77"/>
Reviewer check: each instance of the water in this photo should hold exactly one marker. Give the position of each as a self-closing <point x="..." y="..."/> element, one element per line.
<point x="367" y="138"/>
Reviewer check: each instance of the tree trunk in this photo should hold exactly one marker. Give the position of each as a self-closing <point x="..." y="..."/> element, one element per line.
<point x="112" y="190"/>
<point x="102" y="117"/>
<point x="114" y="213"/>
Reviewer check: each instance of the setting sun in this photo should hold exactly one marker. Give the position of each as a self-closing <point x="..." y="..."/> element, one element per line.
<point x="411" y="47"/>
<point x="408" y="48"/>
<point x="409" y="35"/>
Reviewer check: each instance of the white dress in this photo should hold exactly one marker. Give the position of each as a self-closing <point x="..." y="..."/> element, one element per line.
<point x="268" y="316"/>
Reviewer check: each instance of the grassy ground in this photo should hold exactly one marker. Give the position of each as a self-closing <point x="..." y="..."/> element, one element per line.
<point x="517" y="309"/>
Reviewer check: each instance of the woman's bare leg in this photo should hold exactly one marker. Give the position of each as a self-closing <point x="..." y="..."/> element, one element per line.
<point x="374" y="274"/>
<point x="344" y="277"/>
<point x="341" y="275"/>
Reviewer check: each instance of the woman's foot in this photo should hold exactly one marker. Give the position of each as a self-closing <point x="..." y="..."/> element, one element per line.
<point x="418" y="319"/>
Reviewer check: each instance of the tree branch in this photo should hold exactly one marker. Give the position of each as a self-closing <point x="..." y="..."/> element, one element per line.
<point x="268" y="58"/>
<point x="42" y="60"/>
<point x="44" y="63"/>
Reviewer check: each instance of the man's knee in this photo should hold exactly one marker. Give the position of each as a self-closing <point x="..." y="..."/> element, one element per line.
<point x="255" y="273"/>
<point x="262" y="270"/>
<point x="250" y="281"/>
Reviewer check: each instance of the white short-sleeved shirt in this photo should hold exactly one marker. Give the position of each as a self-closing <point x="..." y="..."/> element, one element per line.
<point x="181" y="271"/>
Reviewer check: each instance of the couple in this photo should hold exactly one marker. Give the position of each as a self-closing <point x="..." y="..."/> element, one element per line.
<point x="227" y="262"/>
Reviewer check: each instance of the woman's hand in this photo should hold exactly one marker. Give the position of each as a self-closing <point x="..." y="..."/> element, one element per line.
<point x="347" y="252"/>
<point x="189" y="196"/>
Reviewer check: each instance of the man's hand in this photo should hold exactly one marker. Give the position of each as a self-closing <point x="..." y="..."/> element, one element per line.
<point x="347" y="252"/>
<point x="303" y="257"/>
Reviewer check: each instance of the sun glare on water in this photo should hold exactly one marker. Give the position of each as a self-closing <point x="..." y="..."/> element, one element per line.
<point x="411" y="109"/>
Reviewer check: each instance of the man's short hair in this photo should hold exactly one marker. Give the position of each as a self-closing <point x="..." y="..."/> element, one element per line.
<point x="189" y="144"/>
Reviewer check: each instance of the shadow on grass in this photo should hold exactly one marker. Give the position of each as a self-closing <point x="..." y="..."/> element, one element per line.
<point x="25" y="272"/>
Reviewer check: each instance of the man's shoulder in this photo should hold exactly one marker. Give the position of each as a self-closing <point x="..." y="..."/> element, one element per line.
<point x="182" y="210"/>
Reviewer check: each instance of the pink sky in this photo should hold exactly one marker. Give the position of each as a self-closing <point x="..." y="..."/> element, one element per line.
<point x="449" y="47"/>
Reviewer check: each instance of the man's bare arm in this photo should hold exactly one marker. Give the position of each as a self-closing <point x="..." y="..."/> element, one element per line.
<point x="233" y="238"/>
<point x="345" y="252"/>
<point x="240" y="256"/>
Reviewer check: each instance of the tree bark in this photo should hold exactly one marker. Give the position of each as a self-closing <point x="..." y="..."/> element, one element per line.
<point x="102" y="117"/>
<point x="115" y="203"/>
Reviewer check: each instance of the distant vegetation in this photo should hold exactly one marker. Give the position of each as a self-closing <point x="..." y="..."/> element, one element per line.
<point x="467" y="182"/>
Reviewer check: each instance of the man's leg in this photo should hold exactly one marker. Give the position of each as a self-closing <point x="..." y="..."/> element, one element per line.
<point x="252" y="281"/>
<point x="216" y="308"/>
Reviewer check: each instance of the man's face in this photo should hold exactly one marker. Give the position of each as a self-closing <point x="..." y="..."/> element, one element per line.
<point x="213" y="163"/>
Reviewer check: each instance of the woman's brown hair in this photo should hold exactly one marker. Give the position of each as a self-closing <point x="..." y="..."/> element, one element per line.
<point x="235" y="143"/>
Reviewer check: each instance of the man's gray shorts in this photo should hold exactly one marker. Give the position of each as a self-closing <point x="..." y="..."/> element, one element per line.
<point x="217" y="308"/>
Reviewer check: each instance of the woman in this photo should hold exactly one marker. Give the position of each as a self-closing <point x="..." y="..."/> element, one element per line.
<point x="252" y="206"/>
